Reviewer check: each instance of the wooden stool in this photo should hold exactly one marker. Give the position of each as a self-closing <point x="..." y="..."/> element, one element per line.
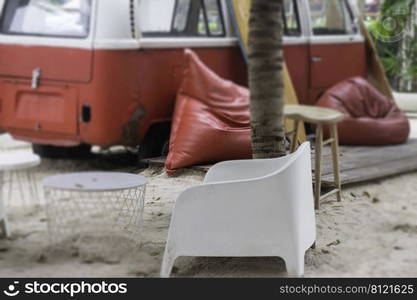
<point x="318" y="116"/>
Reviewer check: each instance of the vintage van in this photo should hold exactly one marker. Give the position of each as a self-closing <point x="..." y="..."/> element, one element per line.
<point x="105" y="72"/>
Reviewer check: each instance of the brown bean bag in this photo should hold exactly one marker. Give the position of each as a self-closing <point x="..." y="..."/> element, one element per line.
<point x="211" y="119"/>
<point x="371" y="118"/>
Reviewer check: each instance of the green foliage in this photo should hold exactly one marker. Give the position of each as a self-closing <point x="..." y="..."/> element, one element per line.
<point x="389" y="6"/>
<point x="394" y="52"/>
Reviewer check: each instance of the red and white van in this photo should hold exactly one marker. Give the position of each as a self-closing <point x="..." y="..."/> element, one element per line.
<point x="105" y="72"/>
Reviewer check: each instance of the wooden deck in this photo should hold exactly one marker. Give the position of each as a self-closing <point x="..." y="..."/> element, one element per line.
<point x="358" y="164"/>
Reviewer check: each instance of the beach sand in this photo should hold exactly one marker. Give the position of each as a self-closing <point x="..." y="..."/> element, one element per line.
<point x="372" y="233"/>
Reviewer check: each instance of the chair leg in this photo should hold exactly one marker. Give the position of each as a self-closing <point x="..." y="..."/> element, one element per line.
<point x="335" y="156"/>
<point x="4" y="229"/>
<point x="167" y="264"/>
<point x="317" y="170"/>
<point x="295" y="136"/>
<point x="33" y="189"/>
<point x="295" y="265"/>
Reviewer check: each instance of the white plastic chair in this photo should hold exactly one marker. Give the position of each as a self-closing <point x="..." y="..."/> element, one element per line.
<point x="249" y="208"/>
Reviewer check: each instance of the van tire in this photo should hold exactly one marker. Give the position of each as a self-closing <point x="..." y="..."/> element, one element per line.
<point x="155" y="142"/>
<point x="54" y="152"/>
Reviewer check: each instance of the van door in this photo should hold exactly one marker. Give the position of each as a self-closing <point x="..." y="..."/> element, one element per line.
<point x="337" y="49"/>
<point x="45" y="53"/>
<point x="47" y="35"/>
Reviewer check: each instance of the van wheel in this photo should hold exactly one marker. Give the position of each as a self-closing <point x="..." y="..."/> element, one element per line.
<point x="165" y="148"/>
<point x="155" y="142"/>
<point x="53" y="152"/>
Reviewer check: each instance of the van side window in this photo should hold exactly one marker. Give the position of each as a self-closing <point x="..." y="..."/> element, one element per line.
<point x="202" y="26"/>
<point x="291" y="18"/>
<point x="156" y="17"/>
<point x="181" y="9"/>
<point x="192" y="18"/>
<point x="214" y="18"/>
<point x="63" y="18"/>
<point x="330" y="17"/>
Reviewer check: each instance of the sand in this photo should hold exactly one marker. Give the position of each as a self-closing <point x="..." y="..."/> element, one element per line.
<point x="372" y="233"/>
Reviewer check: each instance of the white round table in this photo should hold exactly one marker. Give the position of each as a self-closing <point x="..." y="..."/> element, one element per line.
<point x="94" y="202"/>
<point x="15" y="163"/>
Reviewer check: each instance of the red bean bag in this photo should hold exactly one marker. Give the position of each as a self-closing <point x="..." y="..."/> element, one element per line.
<point x="371" y="118"/>
<point x="211" y="120"/>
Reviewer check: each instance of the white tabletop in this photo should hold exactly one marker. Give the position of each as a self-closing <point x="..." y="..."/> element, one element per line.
<point x="18" y="161"/>
<point x="94" y="181"/>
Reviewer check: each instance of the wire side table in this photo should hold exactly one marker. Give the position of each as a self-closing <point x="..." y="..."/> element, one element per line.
<point x="18" y="163"/>
<point x="106" y="204"/>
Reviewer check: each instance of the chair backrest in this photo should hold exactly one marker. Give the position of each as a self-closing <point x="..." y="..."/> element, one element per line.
<point x="283" y="162"/>
<point x="293" y="187"/>
<point x="253" y="169"/>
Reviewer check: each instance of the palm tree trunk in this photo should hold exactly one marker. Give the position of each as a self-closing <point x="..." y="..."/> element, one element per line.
<point x="265" y="78"/>
<point x="408" y="53"/>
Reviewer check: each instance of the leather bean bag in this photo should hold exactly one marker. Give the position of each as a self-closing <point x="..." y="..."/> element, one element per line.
<point x="370" y="118"/>
<point x="211" y="119"/>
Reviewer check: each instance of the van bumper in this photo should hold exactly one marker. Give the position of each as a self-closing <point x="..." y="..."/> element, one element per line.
<point x="44" y="138"/>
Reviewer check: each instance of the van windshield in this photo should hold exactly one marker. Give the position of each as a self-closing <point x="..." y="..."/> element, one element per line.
<point x="60" y="18"/>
